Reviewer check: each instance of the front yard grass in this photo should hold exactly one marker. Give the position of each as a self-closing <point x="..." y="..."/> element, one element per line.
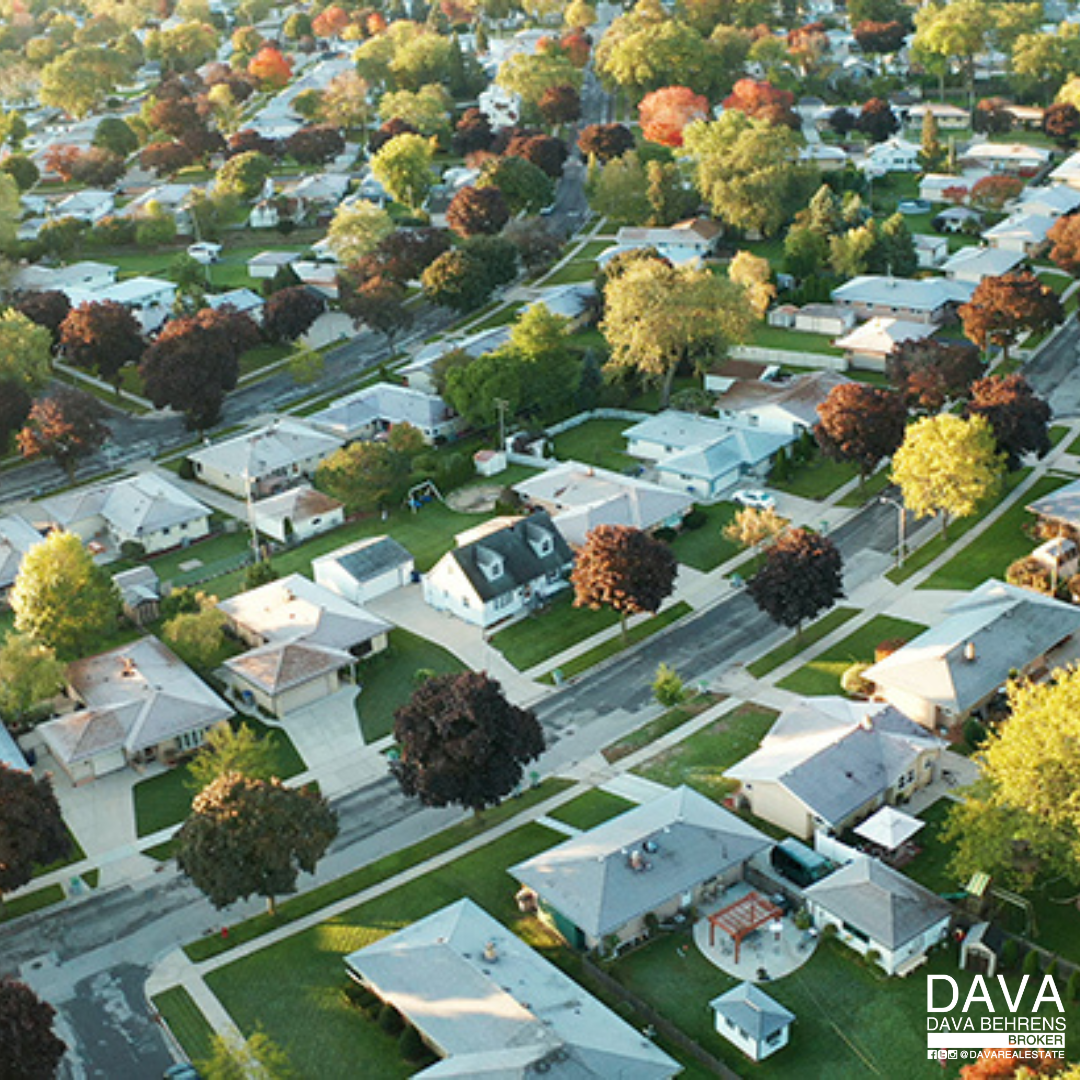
<point x="816" y="479"/>
<point x="388" y="679"/>
<point x="779" y="337"/>
<point x="707" y="548"/>
<point x="822" y="674"/>
<point x="32" y="901"/>
<point x="702" y="759"/>
<point x="868" y="492"/>
<point x="597" y="442"/>
<point x="796" y="643"/>
<point x="544" y="634"/>
<point x="1001" y="544"/>
<point x="656" y="729"/>
<point x="165" y="800"/>
<point x="185" y="1020"/>
<point x="591" y="809"/>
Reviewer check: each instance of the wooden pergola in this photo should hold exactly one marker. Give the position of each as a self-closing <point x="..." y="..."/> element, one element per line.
<point x="742" y="918"/>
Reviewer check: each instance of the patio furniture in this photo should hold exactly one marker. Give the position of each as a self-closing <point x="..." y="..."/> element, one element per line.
<point x="742" y="918"/>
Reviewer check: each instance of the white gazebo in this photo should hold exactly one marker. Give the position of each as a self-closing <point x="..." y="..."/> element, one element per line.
<point x="889" y="828"/>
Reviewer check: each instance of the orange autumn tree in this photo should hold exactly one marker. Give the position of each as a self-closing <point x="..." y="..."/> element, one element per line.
<point x="331" y="22"/>
<point x="763" y="101"/>
<point x="665" y="113"/>
<point x="270" y="67"/>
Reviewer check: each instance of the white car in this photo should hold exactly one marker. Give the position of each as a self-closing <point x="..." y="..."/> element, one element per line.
<point x="756" y="500"/>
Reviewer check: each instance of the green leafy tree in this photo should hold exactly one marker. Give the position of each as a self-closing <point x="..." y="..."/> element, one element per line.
<point x="29" y="675"/>
<point x="232" y="750"/>
<point x="948" y="467"/>
<point x="403" y="167"/>
<point x="234" y="1058"/>
<point x="249" y="837"/>
<point x="427" y="110"/>
<point x="806" y="253"/>
<point x="619" y="191"/>
<point x="526" y="188"/>
<point x="462" y="743"/>
<point x="457" y="280"/>
<point x="115" y="134"/>
<point x="25" y="352"/>
<point x="802" y="577"/>
<point x="306" y="365"/>
<point x="931" y="152"/>
<point x="26" y="1032"/>
<point x="531" y="75"/>
<point x="366" y="476"/>
<point x="625" y="569"/>
<point x="243" y="175"/>
<point x="32" y="831"/>
<point x="22" y="170"/>
<point x="197" y="636"/>
<point x="357" y="230"/>
<point x="79" y="79"/>
<point x="668" y="688"/>
<point x="952" y="33"/>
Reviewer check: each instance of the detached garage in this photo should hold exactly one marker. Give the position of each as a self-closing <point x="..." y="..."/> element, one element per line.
<point x="365" y="570"/>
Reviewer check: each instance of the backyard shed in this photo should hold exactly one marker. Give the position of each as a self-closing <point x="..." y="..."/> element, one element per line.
<point x="753" y="1021"/>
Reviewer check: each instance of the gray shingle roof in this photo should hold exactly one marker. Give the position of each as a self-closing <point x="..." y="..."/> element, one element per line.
<point x="752" y="1011"/>
<point x="882" y="903"/>
<point x="368" y="559"/>
<point x="1061" y="505"/>
<point x="589" y="879"/>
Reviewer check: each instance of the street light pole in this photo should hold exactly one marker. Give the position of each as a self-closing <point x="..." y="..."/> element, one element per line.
<point x="900" y="507"/>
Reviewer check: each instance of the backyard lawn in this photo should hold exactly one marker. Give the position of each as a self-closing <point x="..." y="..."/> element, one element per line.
<point x="389" y="678"/>
<point x="822" y="674"/>
<point x="597" y="442"/>
<point x="591" y="809"/>
<point x="1003" y="543"/>
<point x="706" y="548"/>
<point x="702" y="759"/>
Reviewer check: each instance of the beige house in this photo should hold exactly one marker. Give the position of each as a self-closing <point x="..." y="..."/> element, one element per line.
<point x="827" y="763"/>
<point x="305" y="642"/>
<point x="133" y="705"/>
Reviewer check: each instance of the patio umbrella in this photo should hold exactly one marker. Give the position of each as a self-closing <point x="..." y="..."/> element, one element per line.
<point x="889" y="827"/>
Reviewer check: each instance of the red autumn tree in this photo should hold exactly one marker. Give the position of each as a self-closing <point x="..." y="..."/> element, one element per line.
<point x="473" y="132"/>
<point x="27" y="1040"/>
<point x="544" y="151"/>
<point x="1002" y="308"/>
<point x="48" y="308"/>
<point x="762" y="100"/>
<point x="577" y="47"/>
<point x="930" y="373"/>
<point x="802" y="577"/>
<point x="290" y="312"/>
<point x="1019" y="418"/>
<point x="66" y="426"/>
<point x="330" y="23"/>
<point x="877" y="121"/>
<point x="992" y="117"/>
<point x="103" y="337"/>
<point x="477" y="210"/>
<point x="665" y="113"/>
<point x="61" y="160"/>
<point x="625" y="569"/>
<point x="315" y="145"/>
<point x="1065" y="235"/>
<point x="1061" y="121"/>
<point x="605" y="141"/>
<point x="270" y="67"/>
<point x="166" y="158"/>
<point x="558" y="105"/>
<point x="880" y="38"/>
<point x="861" y="423"/>
<point x="993" y="192"/>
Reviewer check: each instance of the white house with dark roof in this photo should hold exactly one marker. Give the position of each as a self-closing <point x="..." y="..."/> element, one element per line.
<point x="489" y="1006"/>
<point x="877" y="909"/>
<point x="264" y="461"/>
<point x="507" y="571"/>
<point x="364" y="570"/>
<point x="297" y="514"/>
<point x="17" y="537"/>
<point x="305" y="641"/>
<point x="955" y="668"/>
<point x="375" y="409"/>
<point x="145" y="509"/>
<point x="753" y="1021"/>
<point x="654" y="860"/>
<point x="138" y="703"/>
<point x="828" y="762"/>
<point x="580" y="497"/>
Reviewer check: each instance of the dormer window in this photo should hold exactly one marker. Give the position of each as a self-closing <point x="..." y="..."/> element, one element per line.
<point x="490" y="563"/>
<point x="540" y="540"/>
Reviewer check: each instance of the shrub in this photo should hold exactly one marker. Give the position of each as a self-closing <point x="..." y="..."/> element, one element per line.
<point x="828" y="930"/>
<point x="260" y="573"/>
<point x="665" y="534"/>
<point x="390" y="1020"/>
<point x="803" y="921"/>
<point x="1010" y="954"/>
<point x="887" y="648"/>
<point x="853" y="683"/>
<point x="1032" y="965"/>
<point x="781" y="469"/>
<point x="1052" y="967"/>
<point x="974" y="733"/>
<point x="359" y="996"/>
<point x="412" y="1047"/>
<point x="696" y="519"/>
<point x="668" y="688"/>
<point x="186" y="470"/>
<point x="872" y="957"/>
<point x="1029" y="573"/>
<point x="132" y="549"/>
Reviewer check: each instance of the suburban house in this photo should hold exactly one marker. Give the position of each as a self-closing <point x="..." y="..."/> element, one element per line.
<point x="827" y="319"/>
<point x="11" y="755"/>
<point x="954" y="219"/>
<point x="956" y="668"/>
<point x="149" y="299"/>
<point x="509" y="570"/>
<point x="375" y="409"/>
<point x="786" y="406"/>
<point x="687" y="240"/>
<point x="970" y="265"/>
<point x="892" y="155"/>
<point x="78" y="275"/>
<point x="305" y="641"/>
<point x="603" y="888"/>
<point x="827" y="763"/>
<point x="752" y="1021"/>
<point x="17" y="537"/>
<point x="87" y="206"/>
<point x="932" y="186"/>
<point x="729" y="373"/>
<point x="930" y="251"/>
<point x="877" y="909"/>
<point x="929" y="300"/>
<point x="134" y="704"/>
<point x="580" y="497"/>
<point x="242" y="301"/>
<point x="573" y="302"/>
<point x="140" y="593"/>
<point x="265" y="461"/>
<point x="417" y="373"/>
<point x="1060" y="200"/>
<point x="871" y="343"/>
<point x="700" y="455"/>
<point x="948" y="117"/>
<point x="364" y="570"/>
<point x="501" y="108"/>
<point x="1022" y="232"/>
<point x="171" y="199"/>
<point x="297" y="514"/>
<point x="267" y="264"/>
<point x="1014" y="159"/>
<point x="145" y="509"/>
<point x="488" y="1005"/>
<point x="823" y="156"/>
<point x="1060" y="510"/>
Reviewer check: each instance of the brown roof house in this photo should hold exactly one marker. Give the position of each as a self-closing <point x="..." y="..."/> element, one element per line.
<point x="135" y="704"/>
<point x="305" y="642"/>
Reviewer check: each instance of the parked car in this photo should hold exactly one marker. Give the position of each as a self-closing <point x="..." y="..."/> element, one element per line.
<point x="205" y="252"/>
<point x="755" y="499"/>
<point x="182" y="1070"/>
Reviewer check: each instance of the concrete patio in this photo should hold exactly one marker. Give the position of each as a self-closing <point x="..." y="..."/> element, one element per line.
<point x="776" y="953"/>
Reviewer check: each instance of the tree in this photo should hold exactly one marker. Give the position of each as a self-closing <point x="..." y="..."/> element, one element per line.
<point x="197" y="636"/>
<point x="166" y="158"/>
<point x="380" y="303"/>
<point x="22" y="170"/>
<point x="405" y="254"/>
<point x="457" y="280"/>
<point x="993" y="192"/>
<point x="243" y="175"/>
<point x="665" y="113"/>
<point x="66" y="426"/>
<point x="29" y="675"/>
<point x="861" y="423"/>
<point x="477" y="210"/>
<point x="801" y="578"/>
<point x="992" y="117"/>
<point x="61" y="598"/>
<point x="525" y="187"/>
<point x="426" y="111"/>
<point x="25" y="352"/>
<point x="306" y="365"/>
<point x="948" y="467"/>
<point x="752" y="528"/>
<point x="880" y="39"/>
<point x="315" y="145"/>
<point x="462" y="743"/>
<point x="753" y="273"/>
<point x="931" y="152"/>
<point x="472" y="134"/>
<point x="232" y="750"/>
<point x="1019" y="419"/>
<point x="271" y="68"/>
<point x="1061" y="121"/>
<point x="531" y="75"/>
<point x="1065" y="235"/>
<point x="290" y="313"/>
<point x="1003" y="308"/>
<point x="403" y="167"/>
<point x="102" y="336"/>
<point x="365" y="476"/>
<point x="619" y="191"/>
<point x="546" y="152"/>
<point x="952" y="32"/>
<point x="27" y="1040"/>
<point x="48" y="308"/>
<point x="842" y="121"/>
<point x="195" y="361"/>
<point x="929" y="373"/>
<point x="605" y="141"/>
<point x="357" y="230"/>
<point x="233" y="1058"/>
<point x="250" y="837"/>
<point x="668" y="688"/>
<point x="657" y="317"/>
<point x="113" y="133"/>
<point x="877" y="121"/>
<point x="625" y="569"/>
<point x="345" y="102"/>
<point x="79" y="80"/>
<point x="806" y="252"/>
<point x="560" y="105"/>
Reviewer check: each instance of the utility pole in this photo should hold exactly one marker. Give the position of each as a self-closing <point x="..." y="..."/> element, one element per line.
<point x="502" y="405"/>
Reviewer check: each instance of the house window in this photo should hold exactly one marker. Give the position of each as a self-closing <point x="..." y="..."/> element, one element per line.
<point x="774" y="1038"/>
<point x="190" y="740"/>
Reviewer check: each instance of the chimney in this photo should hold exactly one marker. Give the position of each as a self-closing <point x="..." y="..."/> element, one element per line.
<point x="969" y="652"/>
<point x="128" y="670"/>
<point x="867" y="723"/>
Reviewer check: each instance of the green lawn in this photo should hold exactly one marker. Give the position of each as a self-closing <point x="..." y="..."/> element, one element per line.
<point x="822" y="674"/>
<point x="702" y="759"/>
<point x="779" y="337"/>
<point x="597" y="654"/>
<point x="165" y="800"/>
<point x="869" y="491"/>
<point x="1001" y="544"/>
<point x="191" y="1029"/>
<point x="706" y="548"/>
<point x="573" y="273"/>
<point x="389" y="678"/>
<point x="1057" y="433"/>
<point x="591" y="809"/>
<point x="816" y="479"/>
<point x="33" y="901"/>
<point x="796" y="643"/>
<point x="655" y="729"/>
<point x="546" y="633"/>
<point x="597" y="442"/>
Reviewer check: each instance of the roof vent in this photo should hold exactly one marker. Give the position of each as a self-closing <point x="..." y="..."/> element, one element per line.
<point x="867" y="723"/>
<point x="969" y="651"/>
<point x="128" y="670"/>
<point x="491" y="953"/>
